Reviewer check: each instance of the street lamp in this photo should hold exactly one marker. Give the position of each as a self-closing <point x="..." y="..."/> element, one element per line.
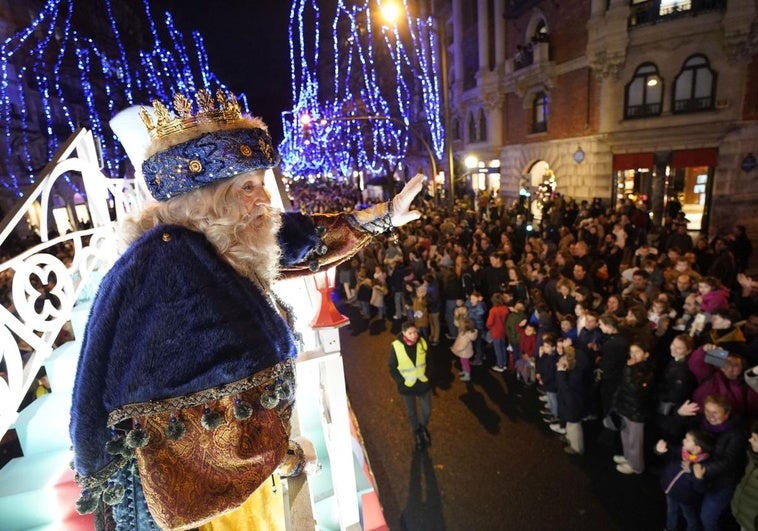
<point x="390" y="11"/>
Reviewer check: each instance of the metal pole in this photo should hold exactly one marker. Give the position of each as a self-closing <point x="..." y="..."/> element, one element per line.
<point x="449" y="176"/>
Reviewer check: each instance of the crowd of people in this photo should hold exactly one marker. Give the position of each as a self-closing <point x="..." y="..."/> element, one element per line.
<point x="642" y="328"/>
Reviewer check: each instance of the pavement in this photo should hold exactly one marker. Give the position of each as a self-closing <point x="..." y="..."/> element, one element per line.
<point x="493" y="464"/>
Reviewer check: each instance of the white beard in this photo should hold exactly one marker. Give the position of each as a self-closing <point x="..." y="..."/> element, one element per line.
<point x="260" y="237"/>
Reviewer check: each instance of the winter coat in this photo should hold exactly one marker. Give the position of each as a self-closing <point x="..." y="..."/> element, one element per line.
<point x="527" y="344"/>
<point x="614" y="351"/>
<point x="745" y="499"/>
<point x="683" y="487"/>
<point x="711" y="381"/>
<point x="476" y="313"/>
<point x="420" y="312"/>
<point x="545" y="366"/>
<point x="571" y="393"/>
<point x="675" y="387"/>
<point x="377" y="295"/>
<point x="496" y="321"/>
<point x="714" y="299"/>
<point x="511" y="326"/>
<point x="463" y="346"/>
<point x="724" y="469"/>
<point x="634" y="394"/>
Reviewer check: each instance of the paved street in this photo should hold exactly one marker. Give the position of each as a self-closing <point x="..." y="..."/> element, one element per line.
<point x="493" y="464"/>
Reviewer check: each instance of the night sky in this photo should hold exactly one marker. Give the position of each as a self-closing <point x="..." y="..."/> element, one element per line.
<point x="248" y="48"/>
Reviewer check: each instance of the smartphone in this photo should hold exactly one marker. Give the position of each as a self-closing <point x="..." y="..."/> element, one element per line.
<point x="716" y="356"/>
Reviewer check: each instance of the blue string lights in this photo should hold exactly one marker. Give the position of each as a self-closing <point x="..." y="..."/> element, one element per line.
<point x="378" y="70"/>
<point x="54" y="76"/>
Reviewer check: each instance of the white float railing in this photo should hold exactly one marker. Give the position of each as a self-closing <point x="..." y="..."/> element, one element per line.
<point x="44" y="286"/>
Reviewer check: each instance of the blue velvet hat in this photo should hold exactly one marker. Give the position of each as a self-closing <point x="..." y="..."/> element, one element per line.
<point x="191" y="149"/>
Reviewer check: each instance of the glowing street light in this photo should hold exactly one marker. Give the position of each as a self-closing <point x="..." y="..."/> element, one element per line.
<point x="391" y="11"/>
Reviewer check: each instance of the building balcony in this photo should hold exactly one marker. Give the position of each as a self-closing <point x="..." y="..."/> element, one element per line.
<point x="530" y="69"/>
<point x="654" y="11"/>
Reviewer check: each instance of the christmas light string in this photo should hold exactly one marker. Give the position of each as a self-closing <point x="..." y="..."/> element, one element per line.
<point x="374" y="73"/>
<point x="53" y="77"/>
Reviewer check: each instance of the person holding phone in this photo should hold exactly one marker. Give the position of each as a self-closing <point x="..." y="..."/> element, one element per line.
<point x="723" y="381"/>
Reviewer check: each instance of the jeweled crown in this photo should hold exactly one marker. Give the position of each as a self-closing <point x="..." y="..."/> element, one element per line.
<point x="221" y="110"/>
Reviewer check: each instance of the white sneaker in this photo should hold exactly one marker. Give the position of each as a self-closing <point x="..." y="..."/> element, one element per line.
<point x="497" y="368"/>
<point x="624" y="468"/>
<point x="543" y="398"/>
<point x="620" y="460"/>
<point x="465" y="377"/>
<point x="556" y="427"/>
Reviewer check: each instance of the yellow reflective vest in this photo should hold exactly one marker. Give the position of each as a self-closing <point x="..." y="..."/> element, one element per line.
<point x="410" y="372"/>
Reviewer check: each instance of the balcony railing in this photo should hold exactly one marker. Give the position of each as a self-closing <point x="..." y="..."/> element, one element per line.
<point x="693" y="105"/>
<point x="643" y="111"/>
<point x="654" y="11"/>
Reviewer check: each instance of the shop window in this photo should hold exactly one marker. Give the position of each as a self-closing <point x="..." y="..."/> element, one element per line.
<point x="539" y="113"/>
<point x="482" y="126"/>
<point x="644" y="93"/>
<point x="694" y="86"/>
<point x="471" y="128"/>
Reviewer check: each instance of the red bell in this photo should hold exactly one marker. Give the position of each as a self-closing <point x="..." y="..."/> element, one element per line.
<point x="328" y="315"/>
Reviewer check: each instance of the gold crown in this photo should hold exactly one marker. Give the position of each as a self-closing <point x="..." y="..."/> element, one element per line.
<point x="166" y="123"/>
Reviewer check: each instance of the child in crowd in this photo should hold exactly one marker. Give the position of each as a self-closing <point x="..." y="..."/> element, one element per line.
<point x="476" y="312"/>
<point x="363" y="293"/>
<point x="463" y="347"/>
<point x="378" y="292"/>
<point x="496" y="326"/>
<point x="712" y="295"/>
<point x="517" y="314"/>
<point x="528" y="345"/>
<point x="546" y="368"/>
<point x="459" y="313"/>
<point x="420" y="311"/>
<point x="632" y="403"/>
<point x="682" y="486"/>
<point x="568" y="327"/>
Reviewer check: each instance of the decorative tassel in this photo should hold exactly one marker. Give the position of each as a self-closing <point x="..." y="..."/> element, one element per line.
<point x="210" y="419"/>
<point x="113" y="493"/>
<point x="269" y="400"/>
<point x="242" y="410"/>
<point x="87" y="502"/>
<point x="116" y="445"/>
<point x="285" y="390"/>
<point x="175" y="429"/>
<point x="137" y="438"/>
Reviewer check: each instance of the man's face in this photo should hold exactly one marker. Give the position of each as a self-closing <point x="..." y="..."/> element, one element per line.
<point x="683" y="283"/>
<point x="690" y="305"/>
<point x="253" y="194"/>
<point x="579" y="272"/>
<point x="590" y="322"/>
<point x="639" y="282"/>
<point x="720" y="323"/>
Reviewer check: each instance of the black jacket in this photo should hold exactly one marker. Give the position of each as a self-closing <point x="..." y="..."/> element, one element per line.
<point x="727" y="463"/>
<point x="615" y="351"/>
<point x="633" y="399"/>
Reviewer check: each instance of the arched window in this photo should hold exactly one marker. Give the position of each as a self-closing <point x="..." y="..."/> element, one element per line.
<point x="644" y="93"/>
<point x="482" y="126"/>
<point x="540" y="32"/>
<point x="694" y="86"/>
<point x="539" y="113"/>
<point x="471" y="128"/>
<point x="456" y="132"/>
